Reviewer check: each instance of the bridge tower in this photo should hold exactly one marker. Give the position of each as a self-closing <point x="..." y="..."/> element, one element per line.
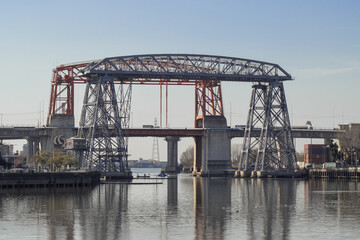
<point x="102" y="126"/>
<point x="273" y="151"/>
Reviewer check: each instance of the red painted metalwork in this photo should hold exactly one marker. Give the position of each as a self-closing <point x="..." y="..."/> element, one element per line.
<point x="62" y="88"/>
<point x="208" y="98"/>
<point x="203" y="71"/>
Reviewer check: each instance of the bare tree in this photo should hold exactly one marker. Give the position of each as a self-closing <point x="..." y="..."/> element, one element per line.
<point x="350" y="145"/>
<point x="235" y="154"/>
<point x="300" y="156"/>
<point x="187" y="157"/>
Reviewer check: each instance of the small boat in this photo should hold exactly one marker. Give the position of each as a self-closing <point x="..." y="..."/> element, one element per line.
<point x="143" y="176"/>
<point x="162" y="174"/>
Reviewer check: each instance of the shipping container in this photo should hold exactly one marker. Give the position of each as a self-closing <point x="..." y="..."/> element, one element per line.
<point x="316" y="153"/>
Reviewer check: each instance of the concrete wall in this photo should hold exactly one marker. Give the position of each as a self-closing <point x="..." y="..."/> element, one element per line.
<point x="62" y="120"/>
<point x="62" y="128"/>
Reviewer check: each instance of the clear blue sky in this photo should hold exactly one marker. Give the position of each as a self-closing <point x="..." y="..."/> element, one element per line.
<point x="318" y="42"/>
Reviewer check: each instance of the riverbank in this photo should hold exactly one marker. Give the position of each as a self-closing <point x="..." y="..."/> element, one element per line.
<point x="336" y="173"/>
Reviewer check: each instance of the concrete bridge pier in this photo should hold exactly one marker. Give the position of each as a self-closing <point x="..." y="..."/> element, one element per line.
<point x="213" y="150"/>
<point x="172" y="154"/>
<point x="33" y="148"/>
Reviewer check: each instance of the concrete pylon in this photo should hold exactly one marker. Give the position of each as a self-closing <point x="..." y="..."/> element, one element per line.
<point x="172" y="154"/>
<point x="33" y="148"/>
<point x="212" y="152"/>
<point x="30" y="144"/>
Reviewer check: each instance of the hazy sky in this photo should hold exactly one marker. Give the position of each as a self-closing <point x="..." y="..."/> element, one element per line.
<point x="317" y="42"/>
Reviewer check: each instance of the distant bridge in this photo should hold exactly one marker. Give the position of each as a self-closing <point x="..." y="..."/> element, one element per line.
<point x="12" y="133"/>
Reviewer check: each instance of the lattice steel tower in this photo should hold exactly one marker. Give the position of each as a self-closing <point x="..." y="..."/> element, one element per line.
<point x="155" y="151"/>
<point x="103" y="119"/>
<point x="274" y="149"/>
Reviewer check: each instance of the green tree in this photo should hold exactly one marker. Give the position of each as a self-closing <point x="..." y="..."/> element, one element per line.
<point x="56" y="158"/>
<point x="42" y="158"/>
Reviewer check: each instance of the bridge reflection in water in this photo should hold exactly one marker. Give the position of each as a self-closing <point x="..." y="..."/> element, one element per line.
<point x="212" y="207"/>
<point x="185" y="208"/>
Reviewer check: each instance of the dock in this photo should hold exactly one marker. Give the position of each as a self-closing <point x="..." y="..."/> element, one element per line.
<point x="336" y="173"/>
<point x="48" y="180"/>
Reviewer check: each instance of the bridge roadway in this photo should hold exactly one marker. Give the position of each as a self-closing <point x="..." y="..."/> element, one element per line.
<point x="9" y="133"/>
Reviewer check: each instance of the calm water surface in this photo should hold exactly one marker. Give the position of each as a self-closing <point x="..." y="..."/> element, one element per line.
<point x="186" y="208"/>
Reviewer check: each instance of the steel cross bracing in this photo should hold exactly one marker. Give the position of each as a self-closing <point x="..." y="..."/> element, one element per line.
<point x="62" y="88"/>
<point x="256" y="117"/>
<point x="101" y="126"/>
<point x="187" y="67"/>
<point x="170" y="69"/>
<point x="208" y="99"/>
<point x="274" y="149"/>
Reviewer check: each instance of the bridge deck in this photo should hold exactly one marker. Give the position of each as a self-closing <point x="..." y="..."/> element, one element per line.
<point x="22" y="133"/>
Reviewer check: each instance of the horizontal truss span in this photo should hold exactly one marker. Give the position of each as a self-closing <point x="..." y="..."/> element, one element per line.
<point x="147" y="68"/>
<point x="165" y="69"/>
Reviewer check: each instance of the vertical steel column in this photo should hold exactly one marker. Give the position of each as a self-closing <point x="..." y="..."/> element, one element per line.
<point x="254" y="122"/>
<point x="124" y="98"/>
<point x="101" y="124"/>
<point x="276" y="149"/>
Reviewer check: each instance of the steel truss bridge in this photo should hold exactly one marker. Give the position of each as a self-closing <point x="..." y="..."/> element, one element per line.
<point x="107" y="100"/>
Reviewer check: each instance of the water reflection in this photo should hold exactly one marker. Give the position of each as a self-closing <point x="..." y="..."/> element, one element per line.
<point x="103" y="215"/>
<point x="185" y="208"/>
<point x="268" y="206"/>
<point x="333" y="198"/>
<point x="212" y="201"/>
<point x="172" y="193"/>
<point x="51" y="210"/>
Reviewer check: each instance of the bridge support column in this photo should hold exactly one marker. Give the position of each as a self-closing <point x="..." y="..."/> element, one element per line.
<point x="30" y="144"/>
<point x="197" y="155"/>
<point x="172" y="154"/>
<point x="33" y="148"/>
<point x="213" y="150"/>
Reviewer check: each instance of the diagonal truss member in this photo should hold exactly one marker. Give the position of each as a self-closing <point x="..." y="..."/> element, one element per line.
<point x="102" y="122"/>
<point x="274" y="149"/>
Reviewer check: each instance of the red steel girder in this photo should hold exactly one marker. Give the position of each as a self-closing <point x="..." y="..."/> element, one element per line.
<point x="208" y="99"/>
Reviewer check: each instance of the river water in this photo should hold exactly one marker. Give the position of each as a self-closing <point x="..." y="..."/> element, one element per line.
<point x="185" y="208"/>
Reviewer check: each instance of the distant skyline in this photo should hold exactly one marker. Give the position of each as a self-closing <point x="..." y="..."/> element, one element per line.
<point x="317" y="42"/>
